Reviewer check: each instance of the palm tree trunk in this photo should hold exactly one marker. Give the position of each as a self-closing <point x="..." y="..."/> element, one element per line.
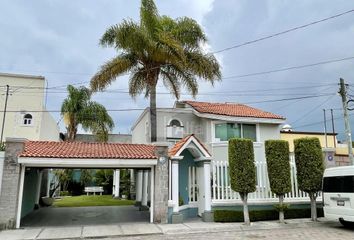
<point x="153" y="120"/>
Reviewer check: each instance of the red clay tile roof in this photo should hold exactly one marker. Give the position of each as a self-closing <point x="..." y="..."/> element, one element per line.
<point x="231" y="109"/>
<point x="174" y="150"/>
<point x="47" y="149"/>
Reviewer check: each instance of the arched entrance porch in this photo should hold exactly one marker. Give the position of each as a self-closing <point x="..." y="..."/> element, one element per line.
<point x="190" y="191"/>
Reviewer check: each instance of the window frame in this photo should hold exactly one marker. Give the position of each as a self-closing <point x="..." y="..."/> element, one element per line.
<point x="213" y="126"/>
<point x="23" y="119"/>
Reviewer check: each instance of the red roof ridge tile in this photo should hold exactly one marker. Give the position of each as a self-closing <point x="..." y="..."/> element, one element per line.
<point x="231" y="109"/>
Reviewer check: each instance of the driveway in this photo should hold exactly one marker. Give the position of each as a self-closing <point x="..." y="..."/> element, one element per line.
<point x="79" y="216"/>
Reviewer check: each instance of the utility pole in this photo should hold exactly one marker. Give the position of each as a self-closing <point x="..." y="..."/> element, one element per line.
<point x="4" y="116"/>
<point x="343" y="93"/>
<point x="325" y="126"/>
<point x="333" y="131"/>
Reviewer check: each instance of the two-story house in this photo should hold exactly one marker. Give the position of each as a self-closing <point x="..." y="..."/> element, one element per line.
<point x="209" y="126"/>
<point x="26" y="115"/>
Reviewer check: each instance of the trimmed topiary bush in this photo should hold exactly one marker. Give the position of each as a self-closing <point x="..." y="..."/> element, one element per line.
<point x="310" y="168"/>
<point x="278" y="165"/>
<point x="242" y="170"/>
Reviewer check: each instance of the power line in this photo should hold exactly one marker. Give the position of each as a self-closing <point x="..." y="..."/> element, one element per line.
<point x="284" y="32"/>
<point x="139" y="109"/>
<point x="291" y="68"/>
<point x="312" y="110"/>
<point x="289" y="99"/>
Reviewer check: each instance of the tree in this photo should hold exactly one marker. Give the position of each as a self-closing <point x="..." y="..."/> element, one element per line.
<point x="86" y="176"/>
<point x="158" y="47"/>
<point x="310" y="168"/>
<point x="78" y="109"/>
<point x="278" y="165"/>
<point x="64" y="176"/>
<point x="242" y="170"/>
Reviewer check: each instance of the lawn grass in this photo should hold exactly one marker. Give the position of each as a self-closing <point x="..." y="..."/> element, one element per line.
<point x="87" y="201"/>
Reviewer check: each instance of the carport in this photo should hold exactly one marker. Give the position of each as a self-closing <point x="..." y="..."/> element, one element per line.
<point x="77" y="155"/>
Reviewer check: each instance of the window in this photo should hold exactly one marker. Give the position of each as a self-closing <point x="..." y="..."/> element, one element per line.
<point x="339" y="184"/>
<point x="175" y="123"/>
<point x="27" y="119"/>
<point x="225" y="131"/>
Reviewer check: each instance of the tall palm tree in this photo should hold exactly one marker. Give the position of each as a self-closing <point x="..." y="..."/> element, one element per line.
<point x="78" y="109"/>
<point x="158" y="47"/>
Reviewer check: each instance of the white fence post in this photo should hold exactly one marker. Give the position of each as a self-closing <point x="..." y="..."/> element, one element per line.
<point x="222" y="192"/>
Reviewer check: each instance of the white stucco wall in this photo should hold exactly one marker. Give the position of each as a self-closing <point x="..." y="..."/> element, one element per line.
<point x="2" y="158"/>
<point x="49" y="128"/>
<point x="139" y="135"/>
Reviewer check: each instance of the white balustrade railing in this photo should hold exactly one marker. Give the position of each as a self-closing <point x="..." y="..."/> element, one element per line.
<point x="222" y="192"/>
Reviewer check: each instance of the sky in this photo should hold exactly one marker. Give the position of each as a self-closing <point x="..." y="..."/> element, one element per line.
<point x="58" y="39"/>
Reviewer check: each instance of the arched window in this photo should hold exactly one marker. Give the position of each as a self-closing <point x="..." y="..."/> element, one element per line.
<point x="175" y="123"/>
<point x="27" y="119"/>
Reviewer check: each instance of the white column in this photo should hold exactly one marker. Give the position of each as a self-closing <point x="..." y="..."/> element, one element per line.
<point x="152" y="207"/>
<point x="145" y="188"/>
<point x="48" y="182"/>
<point x="207" y="190"/>
<point x="39" y="181"/>
<point x="20" y="196"/>
<point x="175" y="187"/>
<point x="116" y="183"/>
<point x="139" y="186"/>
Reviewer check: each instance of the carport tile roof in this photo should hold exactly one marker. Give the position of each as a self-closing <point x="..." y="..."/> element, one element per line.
<point x="50" y="149"/>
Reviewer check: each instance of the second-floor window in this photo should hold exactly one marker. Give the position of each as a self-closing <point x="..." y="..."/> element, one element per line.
<point x="225" y="131"/>
<point x="27" y="119"/>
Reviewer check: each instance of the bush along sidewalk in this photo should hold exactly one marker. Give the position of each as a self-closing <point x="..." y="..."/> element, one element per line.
<point x="242" y="170"/>
<point x="278" y="165"/>
<point x="310" y="168"/>
<point x="263" y="215"/>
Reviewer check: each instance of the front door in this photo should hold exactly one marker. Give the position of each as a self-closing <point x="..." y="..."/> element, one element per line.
<point x="200" y="192"/>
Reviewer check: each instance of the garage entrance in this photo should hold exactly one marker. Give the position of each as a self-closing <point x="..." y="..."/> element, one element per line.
<point x="37" y="156"/>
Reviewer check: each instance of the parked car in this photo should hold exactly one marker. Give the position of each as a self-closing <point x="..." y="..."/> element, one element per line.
<point x="338" y="194"/>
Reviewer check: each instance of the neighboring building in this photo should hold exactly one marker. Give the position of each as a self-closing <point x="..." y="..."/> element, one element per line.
<point x="26" y="115"/>
<point x="112" y="138"/>
<point x="335" y="154"/>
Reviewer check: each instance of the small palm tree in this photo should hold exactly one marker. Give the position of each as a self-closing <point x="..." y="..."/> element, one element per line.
<point x="158" y="47"/>
<point x="78" y="109"/>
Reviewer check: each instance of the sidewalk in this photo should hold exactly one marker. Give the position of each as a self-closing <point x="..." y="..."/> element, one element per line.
<point x="136" y="229"/>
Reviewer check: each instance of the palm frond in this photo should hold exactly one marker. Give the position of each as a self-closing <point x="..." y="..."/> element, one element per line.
<point x="204" y="66"/>
<point x="111" y="70"/>
<point x="138" y="82"/>
<point x="149" y="16"/>
<point x="171" y="81"/>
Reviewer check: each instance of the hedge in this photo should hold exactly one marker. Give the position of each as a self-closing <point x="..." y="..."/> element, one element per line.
<point x="277" y="156"/>
<point x="242" y="167"/>
<point x="309" y="164"/>
<point x="262" y="215"/>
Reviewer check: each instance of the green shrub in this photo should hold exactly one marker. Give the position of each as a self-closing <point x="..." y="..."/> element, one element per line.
<point x="262" y="215"/>
<point x="310" y="168"/>
<point x="309" y="164"/>
<point x="2" y="147"/>
<point x="277" y="155"/>
<point x="64" y="193"/>
<point x="242" y="167"/>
